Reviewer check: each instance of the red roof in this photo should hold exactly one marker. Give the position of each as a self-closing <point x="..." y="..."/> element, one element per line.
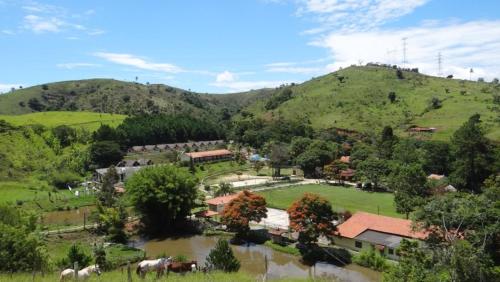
<point x="206" y="213"/>
<point x="362" y="221"/>
<point x="347" y="173"/>
<point x="435" y="176"/>
<point x="221" y="200"/>
<point x="212" y="153"/>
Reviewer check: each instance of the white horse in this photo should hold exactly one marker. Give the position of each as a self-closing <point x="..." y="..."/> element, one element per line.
<point x="151" y="265"/>
<point x="82" y="274"/>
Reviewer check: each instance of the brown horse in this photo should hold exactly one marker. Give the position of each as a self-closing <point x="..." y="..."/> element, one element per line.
<point x="178" y="267"/>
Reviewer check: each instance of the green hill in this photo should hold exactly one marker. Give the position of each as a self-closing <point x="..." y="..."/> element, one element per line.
<point x="87" y="120"/>
<point x="357" y="98"/>
<point x="113" y="96"/>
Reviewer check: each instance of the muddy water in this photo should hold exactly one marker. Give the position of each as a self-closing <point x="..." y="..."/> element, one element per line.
<point x="70" y="217"/>
<point x="252" y="259"/>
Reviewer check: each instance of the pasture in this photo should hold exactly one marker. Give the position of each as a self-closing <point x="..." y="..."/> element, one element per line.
<point x="85" y="120"/>
<point x="341" y="198"/>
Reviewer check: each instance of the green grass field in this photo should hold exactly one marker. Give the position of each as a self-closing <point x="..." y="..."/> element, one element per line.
<point x="87" y="120"/>
<point x="341" y="198"/>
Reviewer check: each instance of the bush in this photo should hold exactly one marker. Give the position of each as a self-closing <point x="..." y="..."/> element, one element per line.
<point x="399" y="74"/>
<point x="105" y="153"/>
<point x="221" y="257"/>
<point x="61" y="179"/>
<point x="75" y="254"/>
<point x="372" y="259"/>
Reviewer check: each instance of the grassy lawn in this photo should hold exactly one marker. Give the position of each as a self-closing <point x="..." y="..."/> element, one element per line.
<point x="87" y="120"/>
<point x="341" y="198"/>
<point x="218" y="168"/>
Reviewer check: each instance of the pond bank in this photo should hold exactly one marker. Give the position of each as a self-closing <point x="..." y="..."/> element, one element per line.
<point x="252" y="257"/>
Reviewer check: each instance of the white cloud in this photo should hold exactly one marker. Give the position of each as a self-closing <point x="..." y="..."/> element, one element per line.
<point x="355" y="14"/>
<point x="134" y="61"/>
<point x="41" y="24"/>
<point x="463" y="45"/>
<point x="240" y="86"/>
<point x="230" y="81"/>
<point x="76" y="65"/>
<point x="303" y="67"/>
<point x="290" y="69"/>
<point x="8" y="32"/>
<point x="4" y="88"/>
<point x="225" y="76"/>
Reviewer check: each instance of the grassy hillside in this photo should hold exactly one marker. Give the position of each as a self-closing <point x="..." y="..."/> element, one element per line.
<point x="357" y="98"/>
<point x="113" y="96"/>
<point x="87" y="120"/>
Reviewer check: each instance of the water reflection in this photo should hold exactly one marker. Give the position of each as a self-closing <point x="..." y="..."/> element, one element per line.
<point x="252" y="257"/>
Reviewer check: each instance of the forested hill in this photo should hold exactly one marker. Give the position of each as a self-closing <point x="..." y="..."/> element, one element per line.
<point x="368" y="98"/>
<point x="113" y="96"/>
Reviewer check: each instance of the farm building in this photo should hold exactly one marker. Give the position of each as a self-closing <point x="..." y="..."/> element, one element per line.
<point x="365" y="230"/>
<point x="345" y="159"/>
<point x="347" y="174"/>
<point x="177" y="146"/>
<point x="216" y="205"/>
<point x="123" y="172"/>
<point x="208" y="156"/>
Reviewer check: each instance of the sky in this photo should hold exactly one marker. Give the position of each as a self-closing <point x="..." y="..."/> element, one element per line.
<point x="221" y="46"/>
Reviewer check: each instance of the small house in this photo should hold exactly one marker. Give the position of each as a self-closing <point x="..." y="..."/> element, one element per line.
<point x="347" y="174"/>
<point x="216" y="205"/>
<point x="366" y="230"/>
<point x="345" y="159"/>
<point x="136" y="149"/>
<point x="139" y="162"/>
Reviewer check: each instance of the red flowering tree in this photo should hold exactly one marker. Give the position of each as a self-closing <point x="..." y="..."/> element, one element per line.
<point x="312" y="217"/>
<point x="238" y="213"/>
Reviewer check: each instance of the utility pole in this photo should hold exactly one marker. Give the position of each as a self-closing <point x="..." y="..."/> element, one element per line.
<point x="404" y="51"/>
<point x="440" y="66"/>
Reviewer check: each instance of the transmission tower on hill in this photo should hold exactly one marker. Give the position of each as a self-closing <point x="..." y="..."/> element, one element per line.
<point x="404" y="51"/>
<point x="440" y="64"/>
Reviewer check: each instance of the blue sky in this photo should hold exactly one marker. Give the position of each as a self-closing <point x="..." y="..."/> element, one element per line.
<point x="223" y="46"/>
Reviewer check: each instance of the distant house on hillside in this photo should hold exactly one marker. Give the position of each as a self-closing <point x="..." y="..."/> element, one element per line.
<point x="347" y="174"/>
<point x="365" y="230"/>
<point x="208" y="156"/>
<point x="418" y="129"/>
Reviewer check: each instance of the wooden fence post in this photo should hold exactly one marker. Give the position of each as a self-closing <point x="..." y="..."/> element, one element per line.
<point x="129" y="272"/>
<point x="75" y="267"/>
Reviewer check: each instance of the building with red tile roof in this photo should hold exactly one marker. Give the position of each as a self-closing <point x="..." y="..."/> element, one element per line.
<point x="365" y="230"/>
<point x="345" y="159"/>
<point x="216" y="205"/>
<point x="206" y="156"/>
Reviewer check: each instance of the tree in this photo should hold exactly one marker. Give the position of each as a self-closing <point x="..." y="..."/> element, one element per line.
<point x="246" y="207"/>
<point x="409" y="185"/>
<point x="333" y="170"/>
<point x="472" y="153"/>
<point x="317" y="154"/>
<point x="392" y="96"/>
<point x="225" y="188"/>
<point x="35" y="105"/>
<point x="65" y="134"/>
<point x="298" y="146"/>
<point x="106" y="195"/>
<point x="279" y="155"/>
<point x="163" y="195"/>
<point x="406" y="151"/>
<point x="112" y="222"/>
<point x="77" y="254"/>
<point x="105" y="133"/>
<point x="257" y="166"/>
<point x="105" y="153"/>
<point x="386" y="142"/>
<point x="436" y="157"/>
<point x="373" y="170"/>
<point x="221" y="258"/>
<point x="399" y="74"/>
<point x="100" y="256"/>
<point x="312" y="217"/>
<point x="360" y="152"/>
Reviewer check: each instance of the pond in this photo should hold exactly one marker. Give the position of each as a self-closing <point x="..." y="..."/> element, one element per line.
<point x="67" y="217"/>
<point x="252" y="258"/>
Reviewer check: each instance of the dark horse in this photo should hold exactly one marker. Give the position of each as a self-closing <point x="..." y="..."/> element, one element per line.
<point x="178" y="267"/>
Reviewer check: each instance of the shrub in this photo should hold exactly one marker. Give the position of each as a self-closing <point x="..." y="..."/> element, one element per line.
<point x="372" y="259"/>
<point x="435" y="103"/>
<point x="399" y="74"/>
<point x="61" y="179"/>
<point x="221" y="257"/>
<point x="75" y="254"/>
<point x="392" y="96"/>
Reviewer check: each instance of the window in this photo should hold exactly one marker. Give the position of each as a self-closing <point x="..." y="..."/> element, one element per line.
<point x="390" y="251"/>
<point x="358" y="244"/>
